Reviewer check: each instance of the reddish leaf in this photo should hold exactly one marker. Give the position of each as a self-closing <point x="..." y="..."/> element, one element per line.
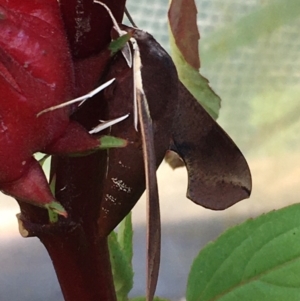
<point x="183" y="23"/>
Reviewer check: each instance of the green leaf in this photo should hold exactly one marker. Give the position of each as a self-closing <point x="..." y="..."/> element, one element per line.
<point x="55" y="208"/>
<point x="119" y="43"/>
<point x="257" y="260"/>
<point x="144" y="299"/>
<point x="105" y="142"/>
<point x="249" y="29"/>
<point x="124" y="236"/>
<point x="111" y="141"/>
<point x="53" y="216"/>
<point x="121" y="268"/>
<point x="190" y="76"/>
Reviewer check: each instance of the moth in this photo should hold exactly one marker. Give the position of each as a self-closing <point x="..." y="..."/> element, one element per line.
<point x="168" y="118"/>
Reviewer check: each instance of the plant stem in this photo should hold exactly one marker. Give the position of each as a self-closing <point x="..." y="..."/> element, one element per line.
<point x="82" y="266"/>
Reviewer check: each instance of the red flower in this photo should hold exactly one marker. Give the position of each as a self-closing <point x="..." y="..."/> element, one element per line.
<point x="36" y="72"/>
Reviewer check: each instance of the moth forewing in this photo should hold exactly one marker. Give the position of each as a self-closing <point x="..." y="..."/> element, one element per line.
<point x="153" y="211"/>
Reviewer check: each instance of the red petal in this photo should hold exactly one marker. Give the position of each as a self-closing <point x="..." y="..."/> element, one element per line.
<point x="32" y="187"/>
<point x="183" y="24"/>
<point x="75" y="140"/>
<point x="88" y="24"/>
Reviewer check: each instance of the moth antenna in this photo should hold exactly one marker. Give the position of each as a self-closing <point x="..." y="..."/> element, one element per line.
<point x="129" y="17"/>
<point x="126" y="49"/>
<point x="80" y="99"/>
<point x="106" y="124"/>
